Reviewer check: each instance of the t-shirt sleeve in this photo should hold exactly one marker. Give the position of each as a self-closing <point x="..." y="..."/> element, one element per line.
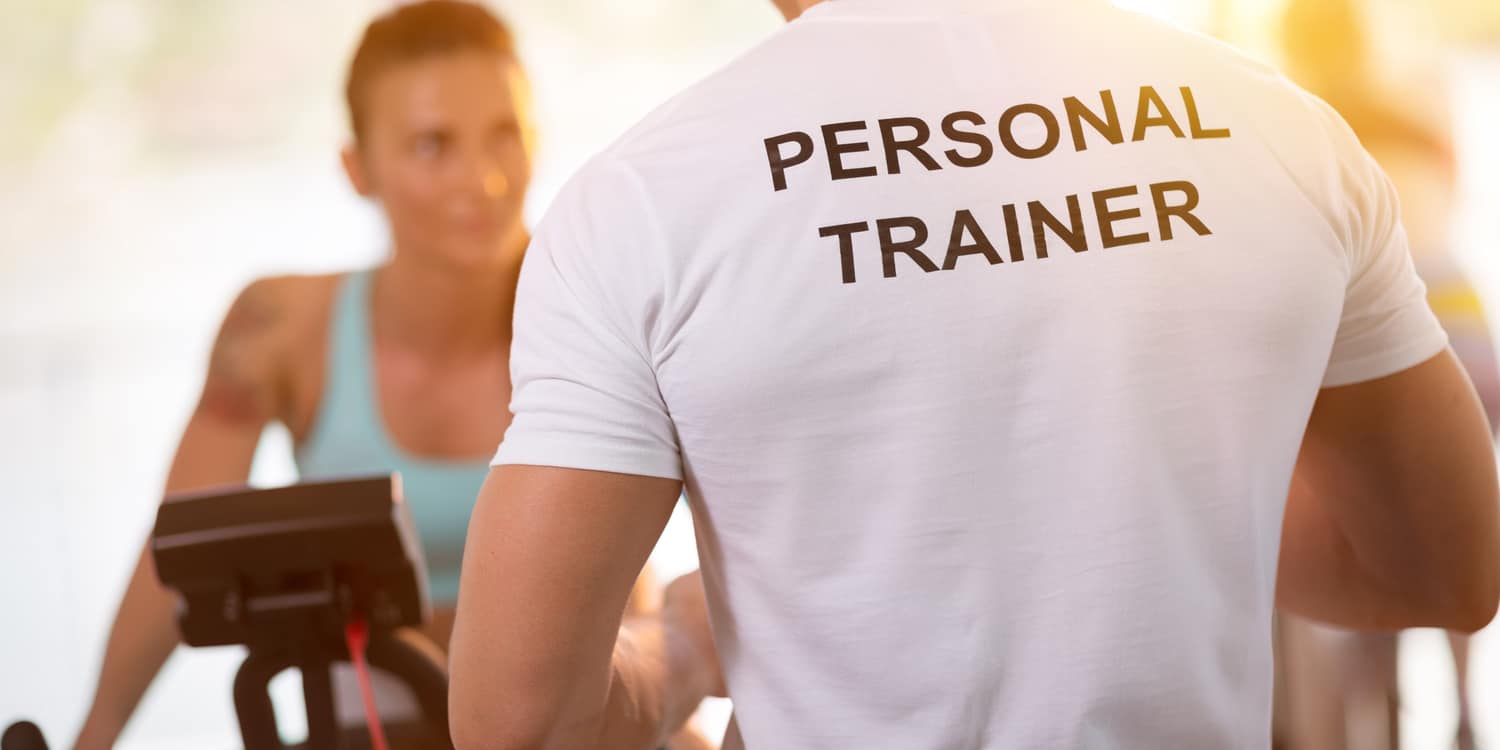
<point x="1386" y="325"/>
<point x="585" y="393"/>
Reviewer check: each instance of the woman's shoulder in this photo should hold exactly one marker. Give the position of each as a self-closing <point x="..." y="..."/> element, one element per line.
<point x="257" y="340"/>
<point x="278" y="316"/>
<point x="278" y="327"/>
<point x="293" y="288"/>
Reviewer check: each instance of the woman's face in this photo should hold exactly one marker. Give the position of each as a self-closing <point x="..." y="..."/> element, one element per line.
<point x="446" y="149"/>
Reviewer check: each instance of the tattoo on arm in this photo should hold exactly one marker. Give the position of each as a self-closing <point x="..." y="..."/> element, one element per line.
<point x="236" y="387"/>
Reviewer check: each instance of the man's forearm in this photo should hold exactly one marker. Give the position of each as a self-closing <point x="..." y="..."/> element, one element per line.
<point x="539" y="659"/>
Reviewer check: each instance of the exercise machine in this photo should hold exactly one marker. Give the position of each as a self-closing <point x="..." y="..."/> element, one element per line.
<point x="304" y="577"/>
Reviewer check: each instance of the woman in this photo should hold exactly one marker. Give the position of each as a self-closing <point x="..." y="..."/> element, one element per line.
<point x="1331" y="674"/>
<point x="401" y="368"/>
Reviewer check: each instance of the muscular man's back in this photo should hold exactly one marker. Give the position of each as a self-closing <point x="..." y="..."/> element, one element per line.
<point x="986" y="334"/>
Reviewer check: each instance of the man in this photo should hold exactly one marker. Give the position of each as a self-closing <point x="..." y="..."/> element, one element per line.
<point x="987" y="337"/>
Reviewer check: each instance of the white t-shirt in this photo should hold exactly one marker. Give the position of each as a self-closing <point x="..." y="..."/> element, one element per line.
<point x="950" y="493"/>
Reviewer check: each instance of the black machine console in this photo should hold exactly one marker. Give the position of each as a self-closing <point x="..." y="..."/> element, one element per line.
<point x="283" y="572"/>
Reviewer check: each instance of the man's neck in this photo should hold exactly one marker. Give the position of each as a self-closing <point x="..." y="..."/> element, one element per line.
<point x="446" y="312"/>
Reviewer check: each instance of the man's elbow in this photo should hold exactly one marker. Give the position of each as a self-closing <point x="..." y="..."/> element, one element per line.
<point x="1479" y="600"/>
<point x="1477" y="619"/>
<point x="490" y="735"/>
<point x="1482" y="574"/>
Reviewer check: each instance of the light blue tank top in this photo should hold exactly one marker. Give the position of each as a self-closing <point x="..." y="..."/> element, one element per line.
<point x="349" y="437"/>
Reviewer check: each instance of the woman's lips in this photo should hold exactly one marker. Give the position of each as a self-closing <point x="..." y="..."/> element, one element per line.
<point x="478" y="225"/>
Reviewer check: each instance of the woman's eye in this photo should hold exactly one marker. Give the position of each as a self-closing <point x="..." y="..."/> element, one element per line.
<point x="503" y="134"/>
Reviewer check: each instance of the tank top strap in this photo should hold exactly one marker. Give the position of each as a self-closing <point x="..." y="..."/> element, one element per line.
<point x="348" y="436"/>
<point x="347" y="414"/>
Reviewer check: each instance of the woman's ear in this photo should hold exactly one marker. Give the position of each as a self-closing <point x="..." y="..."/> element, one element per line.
<point x="354" y="167"/>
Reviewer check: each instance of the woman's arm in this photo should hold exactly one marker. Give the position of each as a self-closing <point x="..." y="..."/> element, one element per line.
<point x="240" y="395"/>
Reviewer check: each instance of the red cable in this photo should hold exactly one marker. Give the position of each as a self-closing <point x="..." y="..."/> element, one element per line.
<point x="357" y="635"/>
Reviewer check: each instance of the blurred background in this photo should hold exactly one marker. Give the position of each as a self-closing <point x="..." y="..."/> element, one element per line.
<point x="156" y="155"/>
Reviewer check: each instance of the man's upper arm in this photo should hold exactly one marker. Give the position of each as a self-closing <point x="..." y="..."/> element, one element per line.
<point x="1417" y="433"/>
<point x="1396" y="470"/>
<point x="1405" y="465"/>
<point x="586" y="477"/>
<point x="551" y="558"/>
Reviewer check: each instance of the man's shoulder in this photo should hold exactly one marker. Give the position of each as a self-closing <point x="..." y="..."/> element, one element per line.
<point x="1309" y="138"/>
<point x="681" y="139"/>
<point x="699" y="112"/>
